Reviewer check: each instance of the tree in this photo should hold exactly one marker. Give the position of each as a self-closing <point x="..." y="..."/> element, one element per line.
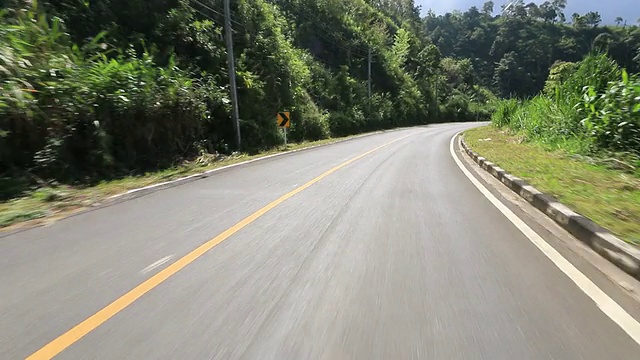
<point x="533" y="11"/>
<point x="459" y="73"/>
<point x="537" y="44"/>
<point x="567" y="48"/>
<point x="509" y="76"/>
<point x="487" y="8"/>
<point x="399" y="10"/>
<point x="592" y="18"/>
<point x="515" y="8"/>
<point x="578" y="21"/>
<point x="559" y="6"/>
<point x="320" y="71"/>
<point x="548" y="12"/>
<point x="619" y="21"/>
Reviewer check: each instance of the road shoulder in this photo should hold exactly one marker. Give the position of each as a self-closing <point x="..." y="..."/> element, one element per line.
<point x="620" y="286"/>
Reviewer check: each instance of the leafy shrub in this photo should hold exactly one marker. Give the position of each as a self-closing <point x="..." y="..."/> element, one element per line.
<point x="456" y="108"/>
<point x="63" y="109"/>
<point x="613" y="116"/>
<point x="596" y="71"/>
<point x="558" y="74"/>
<point x="379" y="112"/>
<point x="310" y="122"/>
<point x="346" y="123"/>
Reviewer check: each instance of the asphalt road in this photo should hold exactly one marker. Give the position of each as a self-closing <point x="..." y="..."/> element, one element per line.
<point x="395" y="255"/>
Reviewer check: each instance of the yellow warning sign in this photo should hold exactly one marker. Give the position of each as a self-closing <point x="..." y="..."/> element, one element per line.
<point x="284" y="119"/>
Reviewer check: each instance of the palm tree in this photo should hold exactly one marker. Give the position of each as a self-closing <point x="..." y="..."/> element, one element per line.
<point x="577" y="20"/>
<point x="619" y="20"/>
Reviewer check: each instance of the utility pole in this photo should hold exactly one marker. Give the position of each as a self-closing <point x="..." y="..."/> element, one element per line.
<point x="232" y="71"/>
<point x="437" y="106"/>
<point x="369" y="83"/>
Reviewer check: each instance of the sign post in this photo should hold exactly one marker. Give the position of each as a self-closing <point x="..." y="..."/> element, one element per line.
<point x="284" y="122"/>
<point x="285" y="136"/>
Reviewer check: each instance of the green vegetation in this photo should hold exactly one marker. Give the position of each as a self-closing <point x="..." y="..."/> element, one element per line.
<point x="578" y="140"/>
<point x="594" y="110"/>
<point x="573" y="87"/>
<point x="512" y="53"/>
<point x="598" y="189"/>
<point x="97" y="90"/>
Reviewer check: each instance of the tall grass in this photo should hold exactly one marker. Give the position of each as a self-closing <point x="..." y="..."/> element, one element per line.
<point x="504" y="112"/>
<point x="594" y="109"/>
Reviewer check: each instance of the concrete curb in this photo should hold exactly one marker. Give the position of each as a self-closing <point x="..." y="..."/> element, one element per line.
<point x="620" y="253"/>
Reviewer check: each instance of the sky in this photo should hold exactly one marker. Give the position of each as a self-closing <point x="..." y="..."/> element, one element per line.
<point x="627" y="9"/>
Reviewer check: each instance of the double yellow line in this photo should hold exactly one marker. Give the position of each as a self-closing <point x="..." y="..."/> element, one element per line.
<point x="79" y="331"/>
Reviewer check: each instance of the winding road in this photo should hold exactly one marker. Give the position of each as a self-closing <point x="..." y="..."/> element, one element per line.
<point x="379" y="247"/>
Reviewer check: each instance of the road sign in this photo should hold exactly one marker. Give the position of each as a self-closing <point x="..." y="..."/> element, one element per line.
<point x="284" y="119"/>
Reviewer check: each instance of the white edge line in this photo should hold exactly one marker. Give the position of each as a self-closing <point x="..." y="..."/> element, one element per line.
<point x="608" y="306"/>
<point x="132" y="191"/>
<point x="157" y="263"/>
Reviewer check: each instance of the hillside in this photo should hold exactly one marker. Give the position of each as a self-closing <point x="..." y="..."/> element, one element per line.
<point x="99" y="89"/>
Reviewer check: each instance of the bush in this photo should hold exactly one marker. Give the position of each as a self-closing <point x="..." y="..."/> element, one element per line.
<point x="456" y="108"/>
<point x="309" y="122"/>
<point x="346" y="123"/>
<point x="596" y="71"/>
<point x="558" y="74"/>
<point x="67" y="114"/>
<point x="381" y="112"/>
<point x="613" y="116"/>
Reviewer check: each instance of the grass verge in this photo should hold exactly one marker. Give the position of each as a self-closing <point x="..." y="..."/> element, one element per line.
<point x="608" y="196"/>
<point x="48" y="204"/>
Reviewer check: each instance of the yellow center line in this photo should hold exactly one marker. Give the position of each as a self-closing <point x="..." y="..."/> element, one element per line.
<point x="91" y="323"/>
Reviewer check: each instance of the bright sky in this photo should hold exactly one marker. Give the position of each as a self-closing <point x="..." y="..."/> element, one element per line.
<point x="627" y="9"/>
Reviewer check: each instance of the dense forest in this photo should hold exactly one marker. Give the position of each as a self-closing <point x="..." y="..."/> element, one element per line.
<point x="93" y="89"/>
<point x="513" y="53"/>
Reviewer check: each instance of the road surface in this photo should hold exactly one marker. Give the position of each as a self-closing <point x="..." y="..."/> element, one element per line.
<point x="394" y="255"/>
